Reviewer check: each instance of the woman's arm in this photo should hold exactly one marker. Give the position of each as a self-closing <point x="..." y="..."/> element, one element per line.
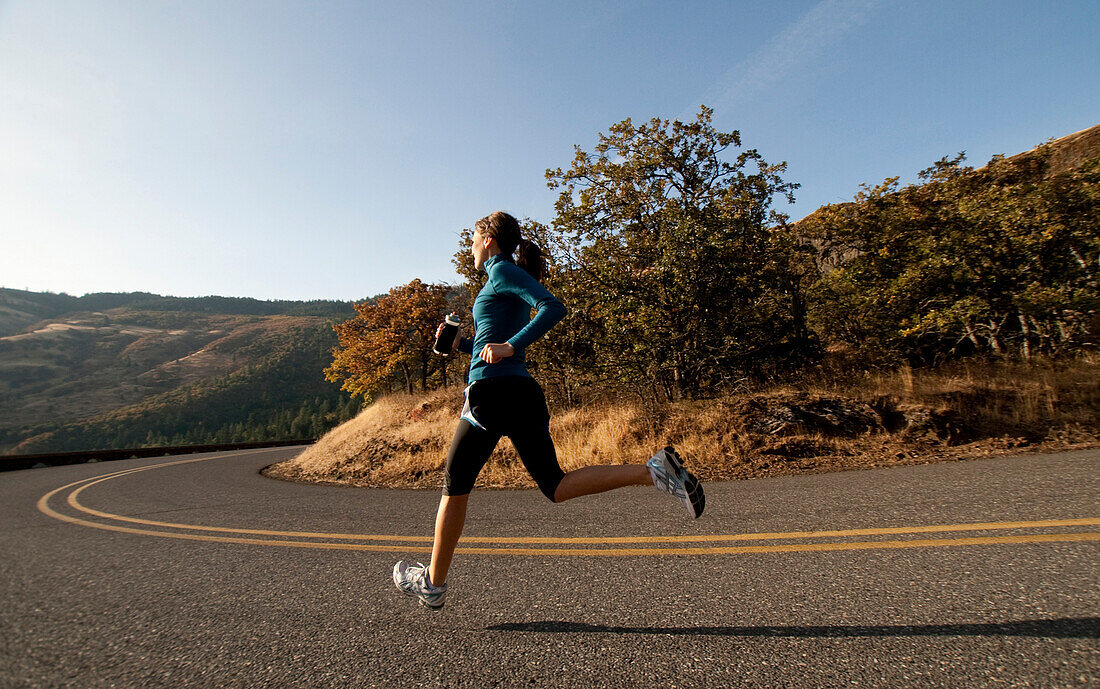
<point x="509" y="278"/>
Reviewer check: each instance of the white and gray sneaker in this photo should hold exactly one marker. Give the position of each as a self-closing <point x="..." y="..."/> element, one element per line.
<point x="414" y="580"/>
<point x="670" y="476"/>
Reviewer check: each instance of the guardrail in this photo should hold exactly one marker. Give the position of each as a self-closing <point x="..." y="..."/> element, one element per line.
<point x="53" y="459"/>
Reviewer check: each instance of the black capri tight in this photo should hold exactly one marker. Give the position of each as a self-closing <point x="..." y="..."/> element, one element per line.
<point x="513" y="406"/>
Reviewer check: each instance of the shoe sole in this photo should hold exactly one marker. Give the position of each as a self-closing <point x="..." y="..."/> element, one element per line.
<point x="696" y="499"/>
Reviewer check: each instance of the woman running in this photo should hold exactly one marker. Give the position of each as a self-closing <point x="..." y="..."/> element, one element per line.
<point x="503" y="399"/>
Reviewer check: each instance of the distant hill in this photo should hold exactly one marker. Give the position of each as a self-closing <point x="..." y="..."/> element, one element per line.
<point x="125" y="370"/>
<point x="20" y="309"/>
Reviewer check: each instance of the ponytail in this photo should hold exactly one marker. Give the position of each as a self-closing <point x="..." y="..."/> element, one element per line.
<point x="529" y="257"/>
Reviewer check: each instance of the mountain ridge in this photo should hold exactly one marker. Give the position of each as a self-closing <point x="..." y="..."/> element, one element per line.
<point x="113" y="369"/>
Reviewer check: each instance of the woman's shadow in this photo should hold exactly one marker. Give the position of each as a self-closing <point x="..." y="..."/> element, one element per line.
<point x="1059" y="628"/>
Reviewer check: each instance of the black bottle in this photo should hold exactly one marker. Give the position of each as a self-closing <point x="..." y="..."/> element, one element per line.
<point x="446" y="338"/>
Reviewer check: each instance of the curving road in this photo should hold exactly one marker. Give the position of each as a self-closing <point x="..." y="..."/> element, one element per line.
<point x="197" y="571"/>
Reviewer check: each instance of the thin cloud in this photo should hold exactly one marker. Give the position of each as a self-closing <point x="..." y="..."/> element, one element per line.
<point x="824" y="25"/>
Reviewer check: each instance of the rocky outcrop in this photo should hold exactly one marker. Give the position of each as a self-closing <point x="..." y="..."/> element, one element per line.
<point x="803" y="413"/>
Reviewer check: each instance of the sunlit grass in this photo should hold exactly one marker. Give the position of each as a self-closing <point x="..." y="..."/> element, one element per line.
<point x="402" y="440"/>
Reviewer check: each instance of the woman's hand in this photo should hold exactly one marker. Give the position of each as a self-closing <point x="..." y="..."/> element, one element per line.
<point x="492" y="353"/>
<point x="458" y="336"/>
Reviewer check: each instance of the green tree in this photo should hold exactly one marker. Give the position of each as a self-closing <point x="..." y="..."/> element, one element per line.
<point x="1000" y="260"/>
<point x="667" y="260"/>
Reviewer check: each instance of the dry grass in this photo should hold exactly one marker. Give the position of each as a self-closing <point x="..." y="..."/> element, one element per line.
<point x="1001" y="398"/>
<point x="966" y="409"/>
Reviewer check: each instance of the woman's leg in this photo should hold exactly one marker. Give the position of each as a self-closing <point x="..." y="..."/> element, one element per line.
<point x="536" y="449"/>
<point x="598" y="479"/>
<point x="448" y="527"/>
<point x="470" y="449"/>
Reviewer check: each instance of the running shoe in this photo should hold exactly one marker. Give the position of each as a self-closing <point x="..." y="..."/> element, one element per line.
<point x="670" y="476"/>
<point x="414" y="580"/>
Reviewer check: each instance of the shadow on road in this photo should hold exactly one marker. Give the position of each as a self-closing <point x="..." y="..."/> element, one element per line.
<point x="1062" y="628"/>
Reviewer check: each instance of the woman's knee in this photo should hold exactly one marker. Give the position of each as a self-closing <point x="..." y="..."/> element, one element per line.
<point x="550" y="489"/>
<point x="458" y="500"/>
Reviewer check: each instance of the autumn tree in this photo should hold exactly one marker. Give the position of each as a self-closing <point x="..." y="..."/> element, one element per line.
<point x="667" y="261"/>
<point x="391" y="338"/>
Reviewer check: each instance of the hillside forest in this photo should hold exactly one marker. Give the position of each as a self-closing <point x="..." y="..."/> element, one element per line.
<point x="108" y="371"/>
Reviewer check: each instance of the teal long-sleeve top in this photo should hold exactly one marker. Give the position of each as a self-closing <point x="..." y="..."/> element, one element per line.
<point x="502" y="313"/>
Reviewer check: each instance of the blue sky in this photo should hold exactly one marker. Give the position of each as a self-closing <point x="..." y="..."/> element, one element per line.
<point x="303" y="150"/>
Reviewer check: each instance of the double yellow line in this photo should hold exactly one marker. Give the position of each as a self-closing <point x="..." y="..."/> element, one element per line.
<point x="708" y="543"/>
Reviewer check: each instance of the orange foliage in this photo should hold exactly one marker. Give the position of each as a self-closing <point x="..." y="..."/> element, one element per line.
<point x="390" y="340"/>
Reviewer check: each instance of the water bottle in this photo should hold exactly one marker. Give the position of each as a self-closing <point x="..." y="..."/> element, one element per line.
<point x="446" y="338"/>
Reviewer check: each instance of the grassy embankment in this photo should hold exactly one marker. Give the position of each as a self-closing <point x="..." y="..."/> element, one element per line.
<point x="825" y="422"/>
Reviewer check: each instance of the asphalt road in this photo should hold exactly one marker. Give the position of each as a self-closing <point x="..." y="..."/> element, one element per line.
<point x="197" y="571"/>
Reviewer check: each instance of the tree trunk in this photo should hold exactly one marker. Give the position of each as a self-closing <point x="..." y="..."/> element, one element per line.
<point x="994" y="343"/>
<point x="972" y="336"/>
<point x="1062" y="330"/>
<point x="1046" y="343"/>
<point x="1027" y="336"/>
<point x="666" y="387"/>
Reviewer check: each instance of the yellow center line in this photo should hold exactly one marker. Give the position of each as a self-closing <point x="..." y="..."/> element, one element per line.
<point x="43" y="505"/>
<point x="793" y="547"/>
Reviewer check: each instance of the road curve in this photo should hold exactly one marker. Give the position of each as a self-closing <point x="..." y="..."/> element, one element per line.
<point x="198" y="571"/>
